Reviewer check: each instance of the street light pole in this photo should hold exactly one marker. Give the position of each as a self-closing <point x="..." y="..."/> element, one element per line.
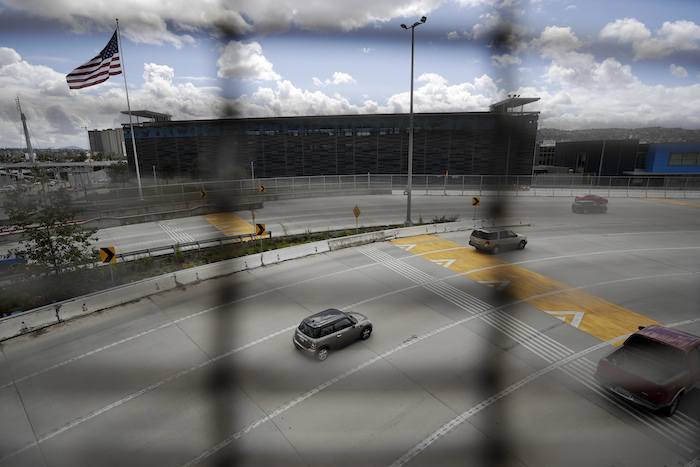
<point x="509" y="124"/>
<point x="408" y="222"/>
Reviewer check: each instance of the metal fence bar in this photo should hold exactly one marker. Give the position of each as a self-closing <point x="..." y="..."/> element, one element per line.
<point x="624" y="186"/>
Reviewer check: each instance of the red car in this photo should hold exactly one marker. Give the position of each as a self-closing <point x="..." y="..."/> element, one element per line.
<point x="654" y="368"/>
<point x="594" y="198"/>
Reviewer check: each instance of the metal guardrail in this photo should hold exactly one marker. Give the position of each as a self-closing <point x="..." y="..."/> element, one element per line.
<point x="187" y="246"/>
<point x="7" y="277"/>
<point x="528" y="185"/>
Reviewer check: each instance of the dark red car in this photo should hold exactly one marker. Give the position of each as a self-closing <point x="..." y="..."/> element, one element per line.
<point x="592" y="197"/>
<point x="654" y="368"/>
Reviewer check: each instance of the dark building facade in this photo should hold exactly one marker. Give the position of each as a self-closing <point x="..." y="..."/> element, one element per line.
<point x="484" y="143"/>
<point x="602" y="157"/>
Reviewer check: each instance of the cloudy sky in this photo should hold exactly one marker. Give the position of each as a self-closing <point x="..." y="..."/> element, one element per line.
<point x="592" y="63"/>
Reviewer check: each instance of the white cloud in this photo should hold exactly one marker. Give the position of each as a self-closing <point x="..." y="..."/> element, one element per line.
<point x="568" y="67"/>
<point x="276" y="16"/>
<point x="502" y="61"/>
<point x="625" y="31"/>
<point x="556" y="42"/>
<point x="586" y="108"/>
<point x="433" y="95"/>
<point x="183" y="101"/>
<point x="581" y="70"/>
<point x="139" y="21"/>
<point x="338" y="78"/>
<point x="8" y="56"/>
<point x="57" y="116"/>
<point x="673" y="37"/>
<point x="245" y="60"/>
<point x="678" y="71"/>
<point x="680" y="36"/>
<point x="492" y="22"/>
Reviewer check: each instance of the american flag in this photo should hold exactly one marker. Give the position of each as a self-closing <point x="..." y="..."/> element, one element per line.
<point x="99" y="69"/>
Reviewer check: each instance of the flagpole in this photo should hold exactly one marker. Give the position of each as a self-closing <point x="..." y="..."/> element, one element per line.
<point x="128" y="106"/>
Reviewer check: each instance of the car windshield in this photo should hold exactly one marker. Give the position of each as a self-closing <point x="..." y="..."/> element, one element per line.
<point x="484" y="235"/>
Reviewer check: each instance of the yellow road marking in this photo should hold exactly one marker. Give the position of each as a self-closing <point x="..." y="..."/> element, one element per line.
<point x="600" y="318"/>
<point x="675" y="201"/>
<point x="230" y="224"/>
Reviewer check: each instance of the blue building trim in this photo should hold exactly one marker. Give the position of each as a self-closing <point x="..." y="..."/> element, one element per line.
<point x="660" y="153"/>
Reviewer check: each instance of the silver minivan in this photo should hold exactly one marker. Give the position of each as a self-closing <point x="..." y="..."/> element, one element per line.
<point x="330" y="329"/>
<point x="495" y="240"/>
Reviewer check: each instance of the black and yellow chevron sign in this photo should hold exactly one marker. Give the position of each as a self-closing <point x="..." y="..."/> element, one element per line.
<point x="108" y="255"/>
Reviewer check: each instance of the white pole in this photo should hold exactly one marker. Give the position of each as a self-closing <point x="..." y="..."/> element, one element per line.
<point x="128" y="106"/>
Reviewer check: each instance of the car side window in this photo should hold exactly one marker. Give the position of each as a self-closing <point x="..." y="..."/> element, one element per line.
<point x="342" y="324"/>
<point x="695" y="358"/>
<point x="510" y="234"/>
<point x="326" y="330"/>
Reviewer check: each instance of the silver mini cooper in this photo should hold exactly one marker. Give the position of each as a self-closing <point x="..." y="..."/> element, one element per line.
<point x="318" y="334"/>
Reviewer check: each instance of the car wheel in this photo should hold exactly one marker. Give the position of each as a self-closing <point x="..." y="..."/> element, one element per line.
<point x="604" y="209"/>
<point x="585" y="210"/>
<point x="522" y="244"/>
<point x="671" y="409"/>
<point x="322" y="354"/>
<point x="366" y="333"/>
<point x="496" y="249"/>
<point x="573" y="209"/>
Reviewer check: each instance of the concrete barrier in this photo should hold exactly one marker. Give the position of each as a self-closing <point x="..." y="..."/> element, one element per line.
<point x="293" y="252"/>
<point x="22" y="323"/>
<point x="356" y="240"/>
<point x="32" y="320"/>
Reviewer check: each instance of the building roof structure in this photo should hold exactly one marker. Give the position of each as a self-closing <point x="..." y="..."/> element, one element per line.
<point x="154" y="116"/>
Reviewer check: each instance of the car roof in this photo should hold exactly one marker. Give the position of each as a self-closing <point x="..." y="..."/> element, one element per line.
<point x="324" y="317"/>
<point x="679" y="339"/>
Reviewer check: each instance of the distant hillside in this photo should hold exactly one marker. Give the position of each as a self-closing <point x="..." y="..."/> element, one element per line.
<point x="644" y="135"/>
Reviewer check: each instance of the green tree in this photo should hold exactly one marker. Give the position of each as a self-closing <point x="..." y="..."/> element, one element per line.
<point x="80" y="157"/>
<point x="119" y="173"/>
<point x="234" y="172"/>
<point x="167" y="170"/>
<point x="200" y="169"/>
<point x="40" y="174"/>
<point x="51" y="240"/>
